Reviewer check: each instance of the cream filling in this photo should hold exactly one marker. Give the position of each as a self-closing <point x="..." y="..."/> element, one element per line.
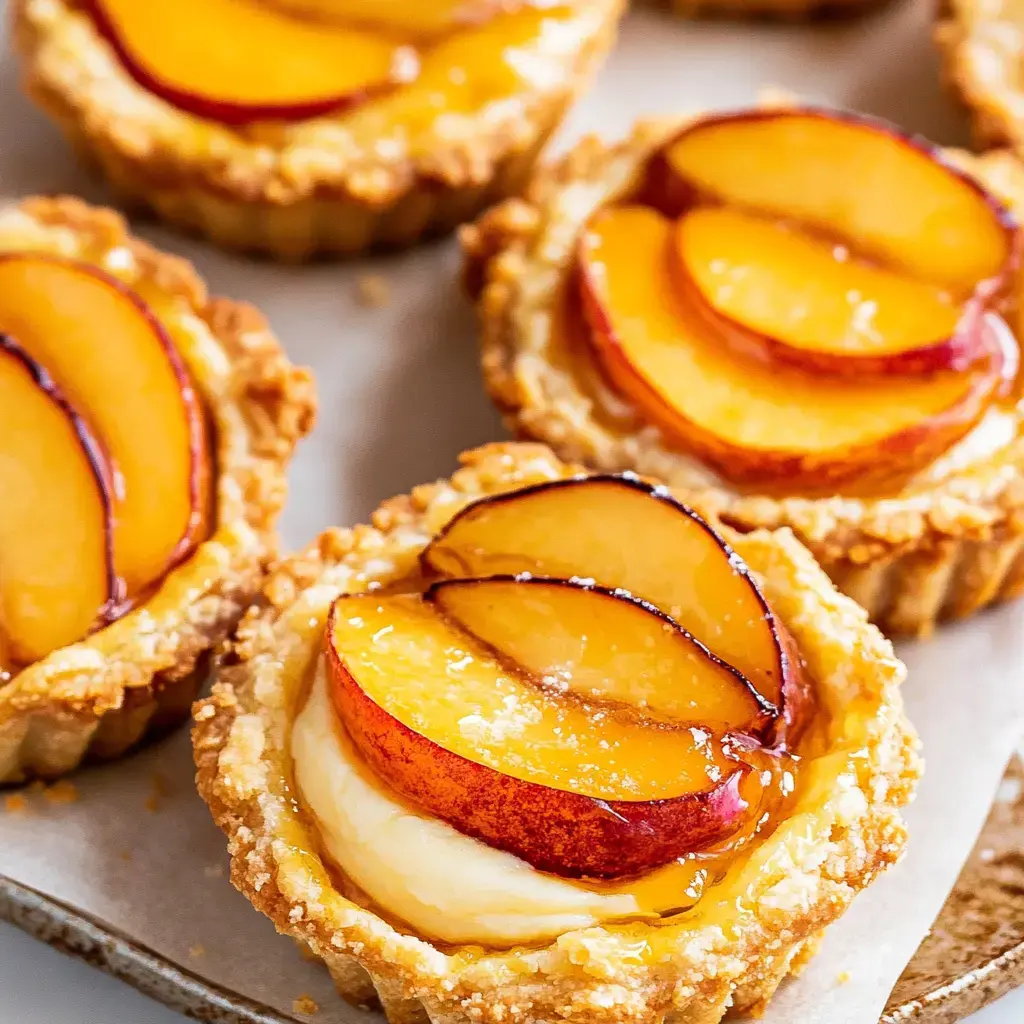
<point x="446" y="885"/>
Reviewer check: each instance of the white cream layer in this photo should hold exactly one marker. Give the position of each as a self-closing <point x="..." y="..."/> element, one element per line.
<point x="446" y="885"/>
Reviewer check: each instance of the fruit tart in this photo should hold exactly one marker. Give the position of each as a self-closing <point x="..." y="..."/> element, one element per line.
<point x="302" y="128"/>
<point x="539" y="745"/>
<point x="797" y="317"/>
<point x="146" y="430"/>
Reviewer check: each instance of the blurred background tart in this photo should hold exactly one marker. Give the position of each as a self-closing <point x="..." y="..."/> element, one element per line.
<point x="542" y="738"/>
<point x="823" y="335"/>
<point x="299" y="129"/>
<point x="980" y="44"/>
<point x="146" y="431"/>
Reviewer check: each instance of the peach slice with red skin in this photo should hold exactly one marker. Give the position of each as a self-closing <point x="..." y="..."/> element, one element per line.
<point x="828" y="198"/>
<point x="412" y="17"/>
<point x="278" y="67"/>
<point x="56" y="572"/>
<point x="861" y="181"/>
<point x="625" y="534"/>
<point x="575" y="789"/>
<point x="756" y="424"/>
<point x="118" y="367"/>
<point x="603" y="645"/>
<point x="775" y="294"/>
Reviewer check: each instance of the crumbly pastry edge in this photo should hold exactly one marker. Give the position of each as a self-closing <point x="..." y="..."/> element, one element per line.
<point x="252" y="198"/>
<point x="980" y="54"/>
<point x="910" y="561"/>
<point x="85" y="701"/>
<point x="590" y="976"/>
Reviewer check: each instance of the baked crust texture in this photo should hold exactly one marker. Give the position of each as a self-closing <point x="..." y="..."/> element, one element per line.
<point x="301" y="190"/>
<point x="934" y="551"/>
<point x="692" y="973"/>
<point x="100" y="696"/>
<point x="980" y="44"/>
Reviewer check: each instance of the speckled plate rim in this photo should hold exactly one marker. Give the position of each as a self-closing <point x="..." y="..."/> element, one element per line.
<point x="69" y="931"/>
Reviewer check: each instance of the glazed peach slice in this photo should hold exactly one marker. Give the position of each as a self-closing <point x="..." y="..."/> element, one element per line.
<point x="573" y="788"/>
<point x="119" y="369"/>
<point x="56" y="576"/>
<point x="602" y="645"/>
<point x="858" y="181"/>
<point x="625" y="534"/>
<point x="756" y="424"/>
<point x="413" y="17"/>
<point x="776" y="293"/>
<point x="276" y="66"/>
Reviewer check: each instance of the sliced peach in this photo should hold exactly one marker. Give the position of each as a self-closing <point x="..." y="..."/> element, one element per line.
<point x="775" y="293"/>
<point x="758" y="424"/>
<point x="602" y="645"/>
<point x="572" y="788"/>
<point x="56" y="575"/>
<point x="275" y="66"/>
<point x="119" y="369"/>
<point x="625" y="534"/>
<point x="412" y="17"/>
<point x="860" y="181"/>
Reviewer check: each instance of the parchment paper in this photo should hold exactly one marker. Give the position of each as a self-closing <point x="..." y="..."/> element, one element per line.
<point x="400" y="396"/>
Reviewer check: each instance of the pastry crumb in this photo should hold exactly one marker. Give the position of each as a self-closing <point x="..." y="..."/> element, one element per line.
<point x="372" y="291"/>
<point x="125" y="855"/>
<point x="15" y="803"/>
<point x="158" y="789"/>
<point x="305" y="1004"/>
<point x="842" y="977"/>
<point x="196" y="951"/>
<point x="61" y="792"/>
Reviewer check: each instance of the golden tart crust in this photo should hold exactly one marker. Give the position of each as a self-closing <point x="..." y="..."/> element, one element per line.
<point x="980" y="44"/>
<point x="98" y="697"/>
<point x="943" y="550"/>
<point x="298" y="190"/>
<point x="802" y="878"/>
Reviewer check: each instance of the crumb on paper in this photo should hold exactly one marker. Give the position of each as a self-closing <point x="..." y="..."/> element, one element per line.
<point x="196" y="951"/>
<point x="214" y="871"/>
<point x="306" y="1005"/>
<point x="125" y="855"/>
<point x="158" y="789"/>
<point x="372" y="291"/>
<point x="61" y="792"/>
<point x="15" y="803"/>
<point x="842" y="977"/>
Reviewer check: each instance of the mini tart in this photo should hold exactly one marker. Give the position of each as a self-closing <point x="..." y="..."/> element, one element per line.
<point x="98" y="697"/>
<point x="943" y="547"/>
<point x="980" y="47"/>
<point x="334" y="184"/>
<point x="838" y="836"/>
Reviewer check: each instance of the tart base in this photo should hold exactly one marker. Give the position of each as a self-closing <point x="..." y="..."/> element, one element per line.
<point x="233" y="199"/>
<point x="942" y="551"/>
<point x="590" y="976"/>
<point x="97" y="698"/>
